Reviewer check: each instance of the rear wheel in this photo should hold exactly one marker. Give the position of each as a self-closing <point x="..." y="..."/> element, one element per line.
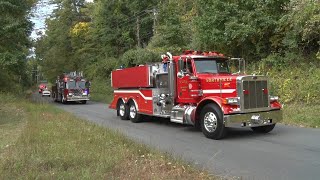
<point x="211" y="121"/>
<point x="263" y="129"/>
<point x="133" y="113"/>
<point x="123" y="111"/>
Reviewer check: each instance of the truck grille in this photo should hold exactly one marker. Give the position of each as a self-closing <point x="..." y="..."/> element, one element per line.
<point x="77" y="92"/>
<point x="255" y="94"/>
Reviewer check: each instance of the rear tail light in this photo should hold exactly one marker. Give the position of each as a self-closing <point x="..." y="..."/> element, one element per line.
<point x="246" y="92"/>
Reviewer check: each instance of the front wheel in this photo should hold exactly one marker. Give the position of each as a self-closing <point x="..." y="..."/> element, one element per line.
<point x="263" y="129"/>
<point x="84" y="102"/>
<point x="211" y="121"/>
<point x="133" y="113"/>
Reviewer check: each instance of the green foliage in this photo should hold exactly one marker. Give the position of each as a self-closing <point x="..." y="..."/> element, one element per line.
<point x="115" y="25"/>
<point x="14" y="31"/>
<point x="101" y="89"/>
<point x="239" y="28"/>
<point x="138" y="56"/>
<point x="302" y="115"/>
<point x="298" y="82"/>
<point x="57" y="48"/>
<point x="300" y="27"/>
<point x="101" y="68"/>
<point x="174" y="30"/>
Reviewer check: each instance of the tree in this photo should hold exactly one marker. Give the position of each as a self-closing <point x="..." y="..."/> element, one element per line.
<point x="239" y="28"/>
<point x="56" y="48"/>
<point x="14" y="43"/>
<point x="299" y="29"/>
<point x="174" y="30"/>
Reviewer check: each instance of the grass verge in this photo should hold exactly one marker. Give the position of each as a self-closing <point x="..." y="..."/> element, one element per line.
<point x="39" y="141"/>
<point x="302" y="115"/>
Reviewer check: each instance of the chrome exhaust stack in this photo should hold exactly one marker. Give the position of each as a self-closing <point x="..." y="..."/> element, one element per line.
<point x="172" y="78"/>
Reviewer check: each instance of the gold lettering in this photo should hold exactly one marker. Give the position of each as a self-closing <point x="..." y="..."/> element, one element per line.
<point x="219" y="79"/>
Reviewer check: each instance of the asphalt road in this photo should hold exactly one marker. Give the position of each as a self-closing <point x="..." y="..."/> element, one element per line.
<point x="285" y="153"/>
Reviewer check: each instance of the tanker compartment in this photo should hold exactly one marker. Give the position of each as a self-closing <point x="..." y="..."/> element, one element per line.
<point x="162" y="104"/>
<point x="134" y="77"/>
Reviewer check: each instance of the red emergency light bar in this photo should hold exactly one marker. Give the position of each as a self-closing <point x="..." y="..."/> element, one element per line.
<point x="204" y="53"/>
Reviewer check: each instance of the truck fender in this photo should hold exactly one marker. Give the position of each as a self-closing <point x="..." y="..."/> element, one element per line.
<point x="115" y="103"/>
<point x="205" y="101"/>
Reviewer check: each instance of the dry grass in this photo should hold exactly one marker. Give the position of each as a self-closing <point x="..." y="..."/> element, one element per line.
<point x="53" y="144"/>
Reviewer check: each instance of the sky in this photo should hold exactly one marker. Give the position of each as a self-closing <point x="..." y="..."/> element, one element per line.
<point x="40" y="12"/>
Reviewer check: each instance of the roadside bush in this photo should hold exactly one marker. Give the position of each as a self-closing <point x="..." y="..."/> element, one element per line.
<point x="138" y="56"/>
<point x="291" y="78"/>
<point x="101" y="89"/>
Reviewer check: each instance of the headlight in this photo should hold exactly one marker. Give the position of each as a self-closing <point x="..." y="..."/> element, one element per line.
<point x="273" y="98"/>
<point x="233" y="101"/>
<point x="70" y="94"/>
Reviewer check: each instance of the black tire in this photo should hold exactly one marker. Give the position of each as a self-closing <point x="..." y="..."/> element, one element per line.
<point x="123" y="111"/>
<point x="216" y="130"/>
<point x="197" y="126"/>
<point x="62" y="100"/>
<point x="133" y="113"/>
<point x="263" y="129"/>
<point x="84" y="102"/>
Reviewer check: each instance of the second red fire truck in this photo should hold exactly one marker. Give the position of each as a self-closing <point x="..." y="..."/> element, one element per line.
<point x="71" y="87"/>
<point x="196" y="88"/>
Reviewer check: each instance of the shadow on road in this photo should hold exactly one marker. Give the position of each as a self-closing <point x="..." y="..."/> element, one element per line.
<point x="233" y="133"/>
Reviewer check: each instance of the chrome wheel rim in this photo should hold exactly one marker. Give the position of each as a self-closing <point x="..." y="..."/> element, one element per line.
<point x="121" y="109"/>
<point x="133" y="111"/>
<point x="210" y="122"/>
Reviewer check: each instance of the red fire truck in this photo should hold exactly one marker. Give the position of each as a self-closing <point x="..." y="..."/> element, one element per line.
<point x="71" y="87"/>
<point x="196" y="88"/>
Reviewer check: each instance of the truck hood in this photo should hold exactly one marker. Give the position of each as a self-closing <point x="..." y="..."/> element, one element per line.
<point x="224" y="84"/>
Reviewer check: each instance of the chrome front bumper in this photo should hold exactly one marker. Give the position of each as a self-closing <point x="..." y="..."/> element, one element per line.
<point x="253" y="119"/>
<point x="75" y="98"/>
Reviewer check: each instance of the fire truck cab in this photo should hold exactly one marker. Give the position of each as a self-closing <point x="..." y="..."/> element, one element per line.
<point x="196" y="88"/>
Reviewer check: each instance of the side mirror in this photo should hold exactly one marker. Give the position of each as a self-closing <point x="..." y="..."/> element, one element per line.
<point x="180" y="67"/>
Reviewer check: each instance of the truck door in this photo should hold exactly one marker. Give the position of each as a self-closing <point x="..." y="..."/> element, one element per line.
<point x="183" y="80"/>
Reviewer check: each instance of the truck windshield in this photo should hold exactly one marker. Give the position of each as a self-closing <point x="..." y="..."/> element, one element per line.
<point x="211" y="66"/>
<point x="76" y="84"/>
<point x="72" y="84"/>
<point x="82" y="84"/>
